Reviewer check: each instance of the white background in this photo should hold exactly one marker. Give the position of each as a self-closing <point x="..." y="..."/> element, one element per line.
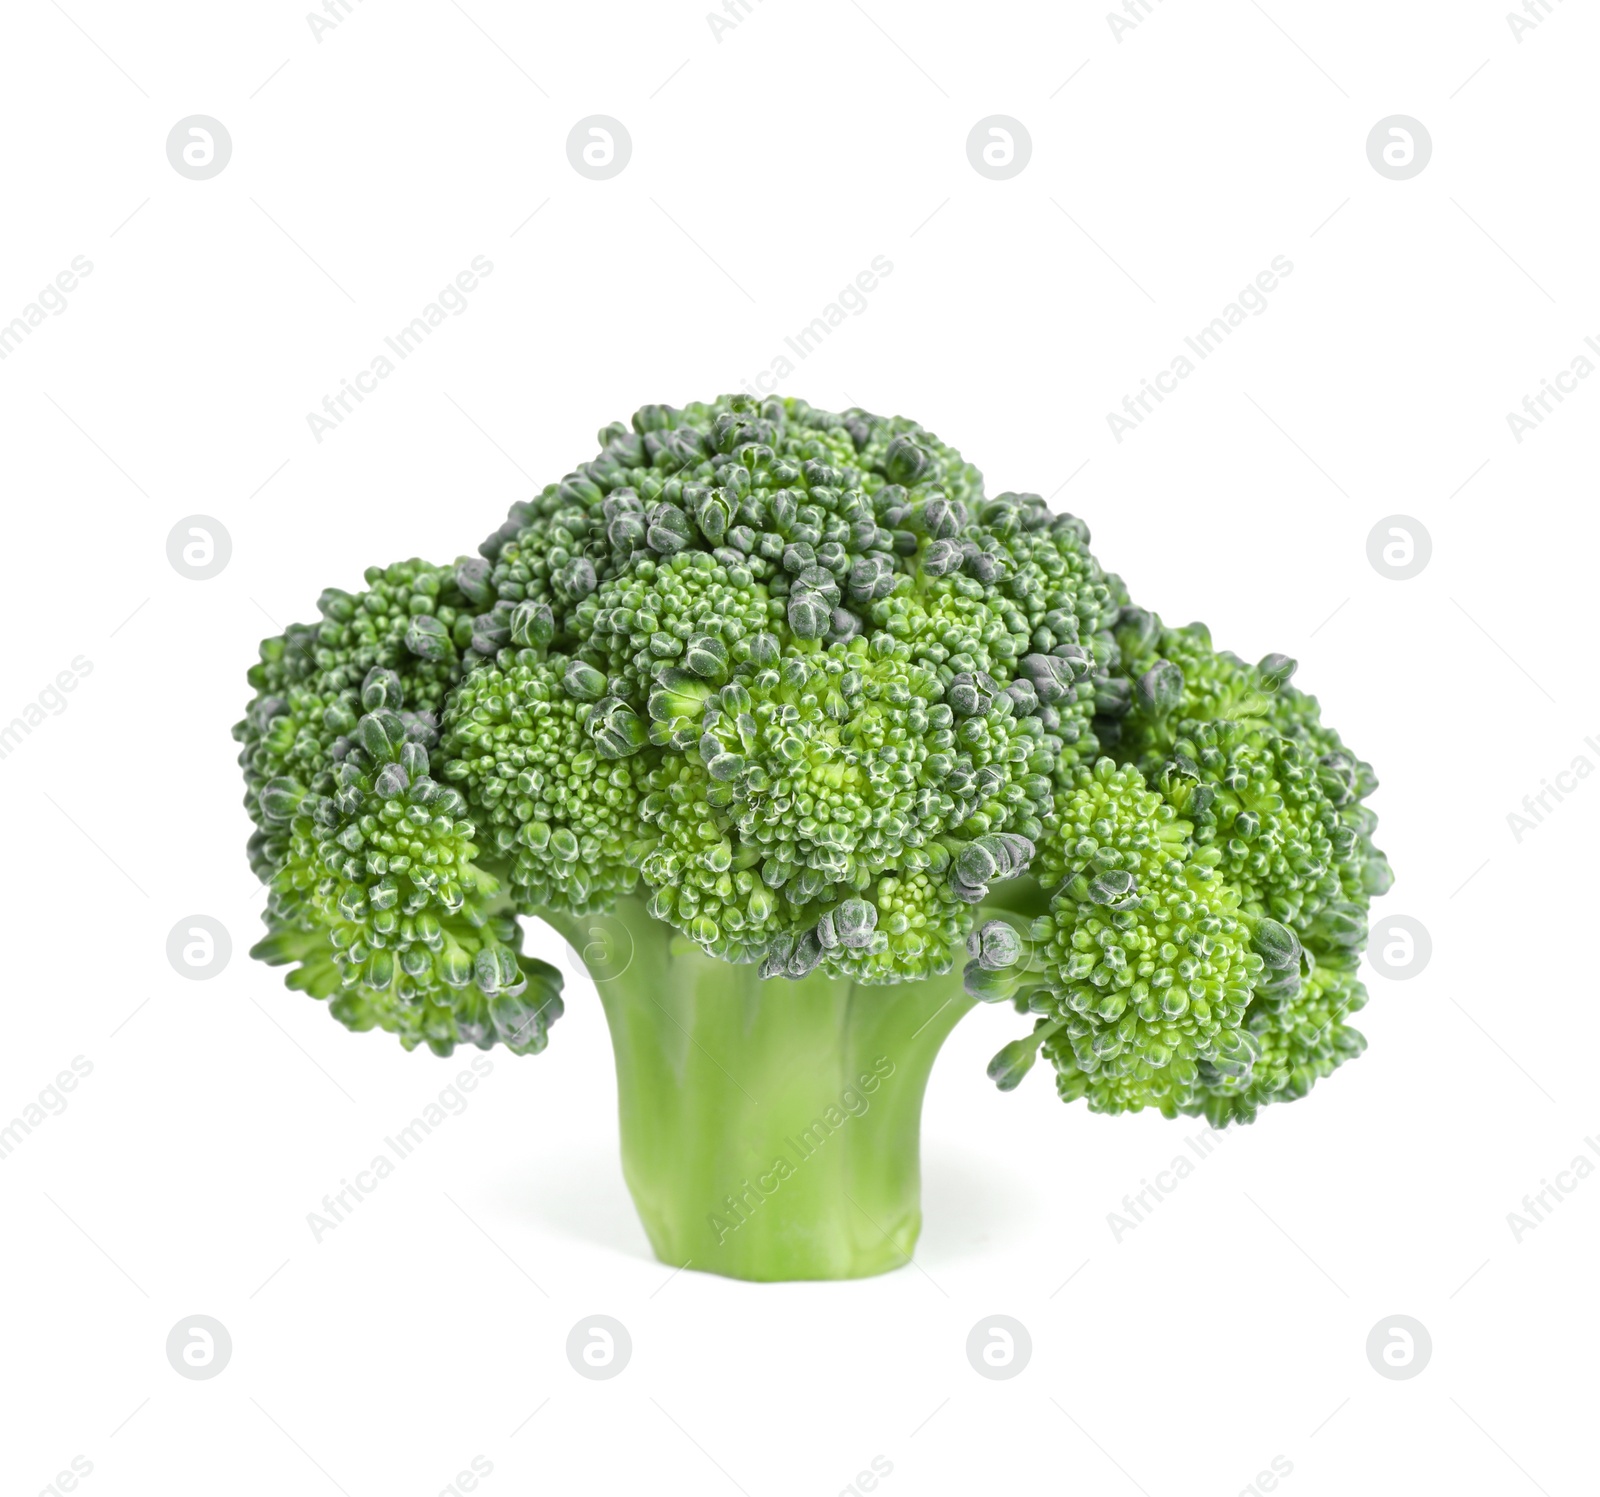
<point x="768" y="168"/>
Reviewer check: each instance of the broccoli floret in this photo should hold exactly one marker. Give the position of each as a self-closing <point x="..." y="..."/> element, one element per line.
<point x="382" y="870"/>
<point x="806" y="746"/>
<point x="556" y="773"/>
<point x="1224" y="771"/>
<point x="1147" y="959"/>
<point x="400" y="640"/>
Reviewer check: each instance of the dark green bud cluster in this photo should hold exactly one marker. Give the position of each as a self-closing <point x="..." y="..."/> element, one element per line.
<point x="383" y="868"/>
<point x="772" y="489"/>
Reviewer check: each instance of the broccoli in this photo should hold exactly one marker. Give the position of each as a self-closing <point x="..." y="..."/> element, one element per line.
<point x="807" y="747"/>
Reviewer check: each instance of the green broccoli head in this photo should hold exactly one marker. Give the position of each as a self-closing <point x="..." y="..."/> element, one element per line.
<point x="794" y="682"/>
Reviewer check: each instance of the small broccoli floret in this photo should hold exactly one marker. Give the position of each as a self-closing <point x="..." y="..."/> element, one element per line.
<point x="556" y="772"/>
<point x="1147" y="959"/>
<point x="1256" y="798"/>
<point x="1258" y="805"/>
<point x="383" y="869"/>
<point x="1170" y="676"/>
<point x="1297" y="1024"/>
<point x="687" y="610"/>
<point x="398" y="643"/>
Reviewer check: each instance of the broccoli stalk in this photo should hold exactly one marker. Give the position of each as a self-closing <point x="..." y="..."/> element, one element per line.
<point x="765" y="1135"/>
<point x="807" y="746"/>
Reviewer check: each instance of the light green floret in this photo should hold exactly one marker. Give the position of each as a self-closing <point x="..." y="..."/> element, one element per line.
<point x="1256" y="798"/>
<point x="1146" y="958"/>
<point x="546" y="759"/>
<point x="810" y="779"/>
<point x="914" y="922"/>
<point x="1301" y="1032"/>
<point x="381" y="898"/>
<point x="950" y="626"/>
<point x="1245" y="756"/>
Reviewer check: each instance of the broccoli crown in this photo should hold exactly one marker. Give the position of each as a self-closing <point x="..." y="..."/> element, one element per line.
<point x="791" y="677"/>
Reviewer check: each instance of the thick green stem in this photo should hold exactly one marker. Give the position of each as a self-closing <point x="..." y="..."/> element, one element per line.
<point x="770" y="1129"/>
